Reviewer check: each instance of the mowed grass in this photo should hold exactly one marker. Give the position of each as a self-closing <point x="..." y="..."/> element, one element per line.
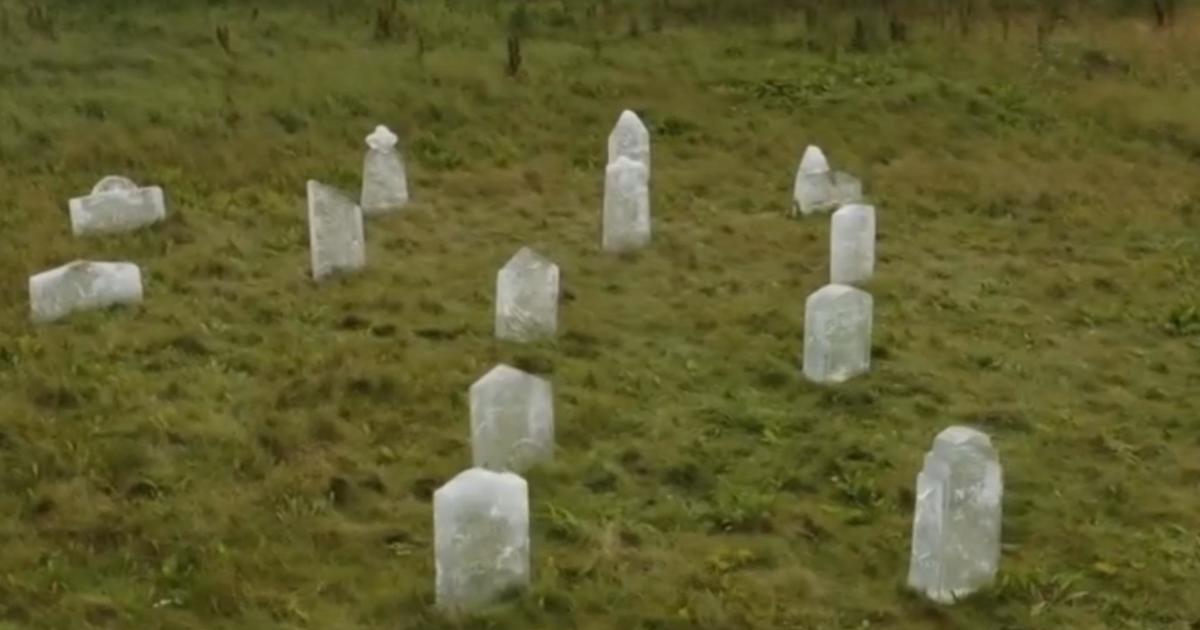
<point x="250" y="450"/>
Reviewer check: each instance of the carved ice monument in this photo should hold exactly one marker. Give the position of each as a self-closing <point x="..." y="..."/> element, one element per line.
<point x="335" y="232"/>
<point x="956" y="525"/>
<point x="481" y="538"/>
<point x="385" y="184"/>
<point x="837" y="333"/>
<point x="512" y="420"/>
<point x="630" y="138"/>
<point x="526" y="297"/>
<point x="83" y="285"/>
<point x="852" y="244"/>
<point x="116" y="204"/>
<point x="626" y="206"/>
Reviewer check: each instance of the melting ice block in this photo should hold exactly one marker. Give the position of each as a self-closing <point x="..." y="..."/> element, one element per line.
<point x="83" y="285"/>
<point x="116" y="204"/>
<point x="335" y="232"/>
<point x="480" y="539"/>
<point x="837" y="333"/>
<point x="956" y="525"/>
<point x="385" y="183"/>
<point x="626" y="206"/>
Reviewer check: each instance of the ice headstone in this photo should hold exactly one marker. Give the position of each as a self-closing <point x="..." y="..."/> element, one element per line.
<point x="847" y="189"/>
<point x="512" y="420"/>
<point x="116" y="204"/>
<point x="956" y="525"/>
<point x="837" y="333"/>
<point x="335" y="231"/>
<point x="481" y="538"/>
<point x="630" y="138"/>
<point x="385" y="184"/>
<point x="83" y="285"/>
<point x="526" y="298"/>
<point x="814" y="189"/>
<point x="626" y="206"/>
<point x="852" y="244"/>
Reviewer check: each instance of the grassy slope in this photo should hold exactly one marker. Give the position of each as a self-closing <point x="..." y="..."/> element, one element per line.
<point x="252" y="451"/>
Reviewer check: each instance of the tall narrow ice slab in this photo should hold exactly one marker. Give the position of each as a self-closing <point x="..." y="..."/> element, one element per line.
<point x="837" y="333"/>
<point x="814" y="188"/>
<point x="481" y="538"/>
<point x="527" y="298"/>
<point x="852" y="244"/>
<point x="385" y="183"/>
<point x="83" y="285"/>
<point x="512" y="420"/>
<point x="335" y="232"/>
<point x="626" y="206"/>
<point x="630" y="138"/>
<point x="956" y="525"/>
<point x="116" y="204"/>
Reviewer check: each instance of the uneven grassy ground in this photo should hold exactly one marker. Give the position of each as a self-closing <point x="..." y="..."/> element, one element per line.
<point x="249" y="450"/>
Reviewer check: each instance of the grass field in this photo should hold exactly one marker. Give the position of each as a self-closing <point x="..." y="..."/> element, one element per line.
<point x="249" y="450"/>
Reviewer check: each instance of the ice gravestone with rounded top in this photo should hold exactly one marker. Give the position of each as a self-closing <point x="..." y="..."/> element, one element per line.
<point x="630" y="138"/>
<point x="116" y="204"/>
<point x="335" y="232"/>
<point x="385" y="183"/>
<point x="512" y="420"/>
<point x="837" y="333"/>
<point x="956" y="524"/>
<point x="526" y="297"/>
<point x="83" y="285"/>
<point x="852" y="244"/>
<point x="626" y="206"/>
<point x="481" y="538"/>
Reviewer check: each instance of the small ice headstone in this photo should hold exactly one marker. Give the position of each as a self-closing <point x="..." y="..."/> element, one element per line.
<point x="512" y="420"/>
<point x="116" y="204"/>
<point x="385" y="185"/>
<point x="814" y="189"/>
<point x="526" y="298"/>
<point x="847" y="189"/>
<point x="630" y="138"/>
<point x="83" y="285"/>
<point x="481" y="538"/>
<point x="956" y="525"/>
<point x="335" y="232"/>
<point x="852" y="244"/>
<point x="837" y="333"/>
<point x="626" y="206"/>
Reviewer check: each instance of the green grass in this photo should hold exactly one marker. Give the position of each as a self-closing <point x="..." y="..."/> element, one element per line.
<point x="249" y="450"/>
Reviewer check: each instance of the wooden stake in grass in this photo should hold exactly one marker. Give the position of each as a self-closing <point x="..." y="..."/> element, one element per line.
<point x="40" y="22"/>
<point x="518" y="25"/>
<point x="223" y="39"/>
<point x="514" y="55"/>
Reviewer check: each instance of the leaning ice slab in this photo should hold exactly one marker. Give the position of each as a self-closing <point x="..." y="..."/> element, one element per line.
<point x="630" y="138"/>
<point x="847" y="189"/>
<point x="626" y="206"/>
<point x="837" y="333"/>
<point x="956" y="525"/>
<point x="116" y="204"/>
<point x="335" y="232"/>
<point x="83" y="285"/>
<point x="512" y="420"/>
<point x="481" y="538"/>
<point x="385" y="184"/>
<point x="852" y="244"/>
<point x="526" y="297"/>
